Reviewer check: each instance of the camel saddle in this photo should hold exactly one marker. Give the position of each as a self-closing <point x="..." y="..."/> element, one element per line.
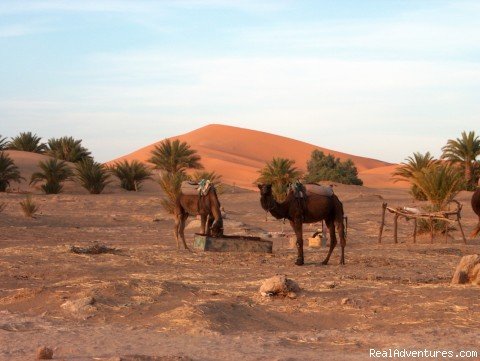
<point x="319" y="190"/>
<point x="304" y="190"/>
<point x="194" y="189"/>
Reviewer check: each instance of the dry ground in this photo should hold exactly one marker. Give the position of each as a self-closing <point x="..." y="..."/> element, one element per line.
<point x="150" y="299"/>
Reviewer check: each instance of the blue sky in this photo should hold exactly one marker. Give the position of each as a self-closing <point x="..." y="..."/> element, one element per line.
<point x="381" y="79"/>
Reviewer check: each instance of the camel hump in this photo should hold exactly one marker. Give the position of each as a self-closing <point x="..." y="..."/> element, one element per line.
<point x="189" y="188"/>
<point x="319" y="190"/>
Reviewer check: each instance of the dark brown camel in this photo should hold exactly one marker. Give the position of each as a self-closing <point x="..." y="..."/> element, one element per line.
<point x="207" y="206"/>
<point x="476" y="209"/>
<point x="315" y="209"/>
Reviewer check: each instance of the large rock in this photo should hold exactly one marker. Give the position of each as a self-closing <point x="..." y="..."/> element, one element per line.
<point x="279" y="285"/>
<point x="468" y="270"/>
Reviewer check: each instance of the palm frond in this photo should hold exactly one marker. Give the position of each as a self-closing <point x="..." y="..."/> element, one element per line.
<point x="175" y="156"/>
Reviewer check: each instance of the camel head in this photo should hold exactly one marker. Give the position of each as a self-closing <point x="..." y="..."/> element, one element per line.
<point x="265" y="189"/>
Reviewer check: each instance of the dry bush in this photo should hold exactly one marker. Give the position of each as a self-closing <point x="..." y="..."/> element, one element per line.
<point x="29" y="207"/>
<point x="2" y="206"/>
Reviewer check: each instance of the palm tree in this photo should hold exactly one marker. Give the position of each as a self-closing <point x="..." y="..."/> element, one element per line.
<point x="27" y="142"/>
<point x="91" y="175"/>
<point x="213" y="177"/>
<point x="3" y="143"/>
<point x="171" y="184"/>
<point x="464" y="151"/>
<point x="279" y="172"/>
<point x="174" y="157"/>
<point x="8" y="172"/>
<point x="131" y="174"/>
<point x="407" y="169"/>
<point x="440" y="183"/>
<point x="68" y="149"/>
<point x="53" y="172"/>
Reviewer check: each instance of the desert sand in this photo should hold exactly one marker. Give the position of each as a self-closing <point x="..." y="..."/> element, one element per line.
<point x="147" y="298"/>
<point x="237" y="153"/>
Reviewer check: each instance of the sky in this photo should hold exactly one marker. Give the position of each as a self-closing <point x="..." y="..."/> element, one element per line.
<point x="375" y="78"/>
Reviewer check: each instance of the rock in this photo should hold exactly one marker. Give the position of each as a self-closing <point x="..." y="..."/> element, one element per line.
<point x="468" y="270"/>
<point x="279" y="285"/>
<point x="345" y="300"/>
<point x="44" y="353"/>
<point x="82" y="307"/>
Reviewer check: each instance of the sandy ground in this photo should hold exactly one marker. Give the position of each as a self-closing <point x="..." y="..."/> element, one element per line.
<point x="147" y="298"/>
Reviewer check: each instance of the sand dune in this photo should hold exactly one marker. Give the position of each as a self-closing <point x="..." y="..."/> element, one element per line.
<point x="381" y="177"/>
<point x="237" y="153"/>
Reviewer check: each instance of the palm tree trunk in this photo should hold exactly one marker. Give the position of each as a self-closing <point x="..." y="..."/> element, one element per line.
<point x="469" y="174"/>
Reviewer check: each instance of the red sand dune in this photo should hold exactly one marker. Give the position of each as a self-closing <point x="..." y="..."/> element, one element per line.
<point x="237" y="153"/>
<point x="381" y="177"/>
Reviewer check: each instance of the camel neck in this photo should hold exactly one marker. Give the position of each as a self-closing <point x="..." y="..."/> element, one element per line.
<point x="278" y="210"/>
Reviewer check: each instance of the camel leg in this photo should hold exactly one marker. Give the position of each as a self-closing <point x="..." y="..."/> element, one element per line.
<point x="210" y="223"/>
<point x="297" y="227"/>
<point x="341" y="234"/>
<point x="177" y="227"/>
<point x="333" y="240"/>
<point x="182" y="229"/>
<point x="476" y="230"/>
<point x="203" y="220"/>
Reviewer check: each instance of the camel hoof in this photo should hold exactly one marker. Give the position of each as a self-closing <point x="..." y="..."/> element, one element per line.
<point x="325" y="262"/>
<point x="299" y="262"/>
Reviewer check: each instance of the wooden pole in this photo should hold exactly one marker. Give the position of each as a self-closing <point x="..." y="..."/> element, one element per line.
<point x="461" y="230"/>
<point x="446" y="232"/>
<point x="395" y="228"/>
<point x="415" y="231"/>
<point x="431" y="230"/>
<point x="384" y="208"/>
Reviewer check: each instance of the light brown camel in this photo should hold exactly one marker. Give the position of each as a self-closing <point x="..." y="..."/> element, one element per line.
<point x="476" y="209"/>
<point x="207" y="206"/>
<point x="315" y="209"/>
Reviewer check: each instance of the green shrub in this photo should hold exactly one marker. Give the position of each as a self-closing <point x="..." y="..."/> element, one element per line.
<point x="29" y="207"/>
<point x="9" y="172"/>
<point x="67" y="148"/>
<point x="91" y="175"/>
<point x="27" y="142"/>
<point x="131" y="174"/>
<point x="323" y="167"/>
<point x="53" y="173"/>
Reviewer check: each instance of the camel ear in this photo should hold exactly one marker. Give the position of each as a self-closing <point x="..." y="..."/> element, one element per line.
<point x="259" y="185"/>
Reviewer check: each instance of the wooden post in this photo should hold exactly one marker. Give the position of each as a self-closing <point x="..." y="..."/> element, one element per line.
<point x="431" y="230"/>
<point x="415" y="231"/>
<point x="395" y="228"/>
<point x="446" y="232"/>
<point x="384" y="208"/>
<point x="461" y="230"/>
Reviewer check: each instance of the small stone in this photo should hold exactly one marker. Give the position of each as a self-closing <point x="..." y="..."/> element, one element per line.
<point x="44" y="353"/>
<point x="345" y="300"/>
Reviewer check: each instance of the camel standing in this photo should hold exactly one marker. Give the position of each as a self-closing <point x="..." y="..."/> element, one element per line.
<point x="316" y="208"/>
<point x="476" y="209"/>
<point x="207" y="206"/>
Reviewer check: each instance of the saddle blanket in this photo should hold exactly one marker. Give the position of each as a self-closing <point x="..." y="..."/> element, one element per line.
<point x="319" y="189"/>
